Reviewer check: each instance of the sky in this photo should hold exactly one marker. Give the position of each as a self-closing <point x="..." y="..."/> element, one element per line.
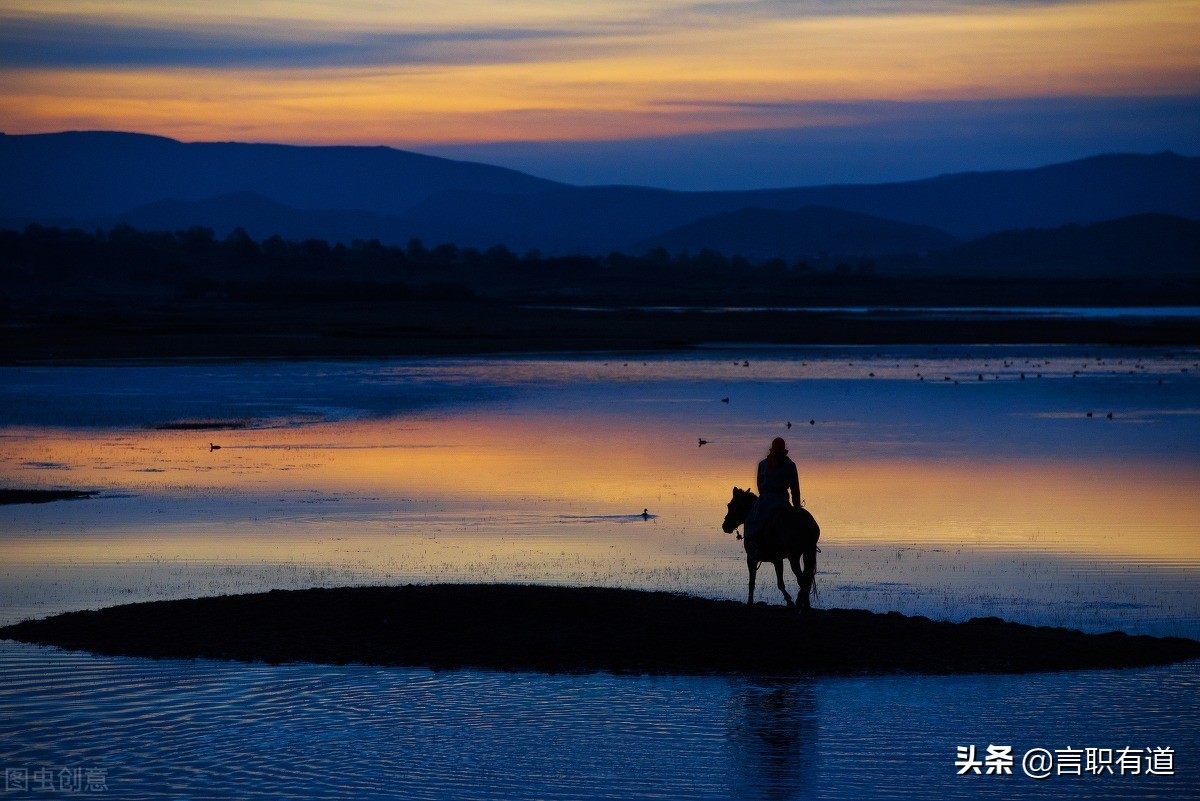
<point x="679" y="93"/>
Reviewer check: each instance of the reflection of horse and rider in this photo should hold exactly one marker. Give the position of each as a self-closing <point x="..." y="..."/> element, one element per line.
<point x="776" y="528"/>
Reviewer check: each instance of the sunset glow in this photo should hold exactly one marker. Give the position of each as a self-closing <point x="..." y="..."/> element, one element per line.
<point x="470" y="72"/>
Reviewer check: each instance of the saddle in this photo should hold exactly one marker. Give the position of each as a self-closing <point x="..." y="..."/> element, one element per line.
<point x="797" y="519"/>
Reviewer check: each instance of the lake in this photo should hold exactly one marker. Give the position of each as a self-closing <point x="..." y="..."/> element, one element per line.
<point x="954" y="482"/>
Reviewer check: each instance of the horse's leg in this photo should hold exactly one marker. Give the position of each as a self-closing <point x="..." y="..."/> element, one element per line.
<point x="808" y="577"/>
<point x="779" y="575"/>
<point x="752" y="566"/>
<point x="794" y="561"/>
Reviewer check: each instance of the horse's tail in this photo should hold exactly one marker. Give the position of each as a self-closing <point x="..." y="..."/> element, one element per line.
<point x="809" y="533"/>
<point x="811" y="570"/>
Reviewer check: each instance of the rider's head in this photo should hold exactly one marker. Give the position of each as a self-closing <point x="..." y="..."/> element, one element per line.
<point x="778" y="451"/>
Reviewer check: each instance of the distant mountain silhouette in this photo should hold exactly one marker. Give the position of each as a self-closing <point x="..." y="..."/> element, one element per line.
<point x="966" y="205"/>
<point x="812" y="230"/>
<point x="90" y="174"/>
<point x="1141" y="245"/>
<point x="262" y="217"/>
<point x="379" y="192"/>
<point x="973" y="204"/>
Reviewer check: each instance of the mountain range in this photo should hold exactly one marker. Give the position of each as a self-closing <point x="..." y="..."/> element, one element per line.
<point x="807" y="231"/>
<point x="98" y="179"/>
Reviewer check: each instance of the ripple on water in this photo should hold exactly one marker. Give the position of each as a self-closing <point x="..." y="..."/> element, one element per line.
<point x="203" y="729"/>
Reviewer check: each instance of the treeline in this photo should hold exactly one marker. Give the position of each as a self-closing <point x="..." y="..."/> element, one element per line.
<point x="55" y="268"/>
<point x="195" y="263"/>
<point x="39" y="244"/>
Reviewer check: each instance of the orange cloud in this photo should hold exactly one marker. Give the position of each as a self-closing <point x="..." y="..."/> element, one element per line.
<point x="532" y="72"/>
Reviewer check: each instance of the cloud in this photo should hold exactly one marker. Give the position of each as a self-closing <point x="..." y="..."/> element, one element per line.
<point x="43" y="42"/>
<point x="489" y="70"/>
<point x="858" y="8"/>
<point x="358" y="37"/>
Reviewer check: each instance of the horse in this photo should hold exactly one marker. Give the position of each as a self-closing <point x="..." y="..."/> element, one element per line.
<point x="791" y="534"/>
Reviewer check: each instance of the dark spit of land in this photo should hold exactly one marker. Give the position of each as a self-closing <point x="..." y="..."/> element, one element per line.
<point x="11" y="496"/>
<point x="201" y="425"/>
<point x="578" y="630"/>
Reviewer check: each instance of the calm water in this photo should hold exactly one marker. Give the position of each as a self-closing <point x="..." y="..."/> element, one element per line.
<point x="1147" y="313"/>
<point x="946" y="484"/>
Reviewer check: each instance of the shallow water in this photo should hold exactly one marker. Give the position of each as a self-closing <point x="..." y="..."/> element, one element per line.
<point x="946" y="484"/>
<point x="203" y="729"/>
<point x="1146" y="313"/>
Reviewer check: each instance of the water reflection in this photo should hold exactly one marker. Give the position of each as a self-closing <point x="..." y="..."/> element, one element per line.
<point x="772" y="730"/>
<point x="974" y="491"/>
<point x="204" y="729"/>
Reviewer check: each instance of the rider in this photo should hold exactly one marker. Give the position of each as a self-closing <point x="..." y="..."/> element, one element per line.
<point x="776" y="476"/>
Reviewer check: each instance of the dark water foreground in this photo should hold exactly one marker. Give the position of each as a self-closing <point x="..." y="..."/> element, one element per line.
<point x="561" y="629"/>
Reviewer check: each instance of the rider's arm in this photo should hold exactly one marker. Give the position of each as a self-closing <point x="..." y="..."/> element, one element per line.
<point x="795" y="487"/>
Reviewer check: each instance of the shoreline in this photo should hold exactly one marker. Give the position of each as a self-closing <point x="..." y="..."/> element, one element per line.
<point x="698" y="348"/>
<point x="551" y="629"/>
<point x="366" y="331"/>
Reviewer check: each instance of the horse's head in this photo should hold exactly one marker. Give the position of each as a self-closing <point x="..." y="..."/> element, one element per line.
<point x="738" y="509"/>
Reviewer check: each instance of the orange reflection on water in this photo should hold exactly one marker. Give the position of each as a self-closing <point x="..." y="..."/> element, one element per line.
<point x="1105" y="509"/>
<point x="499" y="475"/>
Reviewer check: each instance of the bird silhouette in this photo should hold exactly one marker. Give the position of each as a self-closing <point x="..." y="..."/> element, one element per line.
<point x="812" y="422"/>
<point x="212" y="447"/>
<point x="1110" y="415"/>
<point x="724" y="400"/>
<point x="645" y="514"/>
<point x="703" y="442"/>
<point x="789" y="424"/>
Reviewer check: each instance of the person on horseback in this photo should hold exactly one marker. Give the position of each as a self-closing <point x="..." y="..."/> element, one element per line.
<point x="776" y="529"/>
<point x="777" y="476"/>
